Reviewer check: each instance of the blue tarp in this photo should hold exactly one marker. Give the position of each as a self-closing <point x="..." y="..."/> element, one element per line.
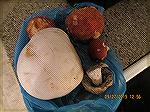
<point x="73" y="102"/>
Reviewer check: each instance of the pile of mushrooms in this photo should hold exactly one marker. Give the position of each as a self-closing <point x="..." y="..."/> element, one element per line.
<point x="87" y="23"/>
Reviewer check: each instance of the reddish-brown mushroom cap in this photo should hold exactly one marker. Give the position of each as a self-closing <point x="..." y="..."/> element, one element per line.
<point x="98" y="49"/>
<point x="38" y="23"/>
<point x="85" y="23"/>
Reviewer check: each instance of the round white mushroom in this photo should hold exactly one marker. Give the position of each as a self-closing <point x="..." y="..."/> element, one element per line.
<point x="48" y="66"/>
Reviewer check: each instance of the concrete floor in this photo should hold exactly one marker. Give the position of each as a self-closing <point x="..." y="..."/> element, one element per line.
<point x="10" y="95"/>
<point x="11" y="98"/>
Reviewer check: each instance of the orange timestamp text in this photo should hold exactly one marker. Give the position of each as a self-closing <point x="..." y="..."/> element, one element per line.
<point x="123" y="96"/>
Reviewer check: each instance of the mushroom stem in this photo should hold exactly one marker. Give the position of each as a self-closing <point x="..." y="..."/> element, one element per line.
<point x="95" y="73"/>
<point x="96" y="76"/>
<point x="103" y="76"/>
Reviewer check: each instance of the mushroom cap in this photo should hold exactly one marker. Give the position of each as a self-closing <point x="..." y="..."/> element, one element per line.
<point x="38" y="23"/>
<point x="48" y="66"/>
<point x="85" y="23"/>
<point x="98" y="49"/>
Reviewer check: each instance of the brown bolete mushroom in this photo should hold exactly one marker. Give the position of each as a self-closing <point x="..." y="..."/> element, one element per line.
<point x="38" y="23"/>
<point x="85" y="23"/>
<point x="98" y="49"/>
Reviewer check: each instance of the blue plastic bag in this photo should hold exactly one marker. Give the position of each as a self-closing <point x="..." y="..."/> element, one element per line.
<point x="73" y="102"/>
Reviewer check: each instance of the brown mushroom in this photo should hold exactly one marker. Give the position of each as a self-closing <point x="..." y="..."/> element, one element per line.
<point x="85" y="23"/>
<point x="38" y="23"/>
<point x="98" y="49"/>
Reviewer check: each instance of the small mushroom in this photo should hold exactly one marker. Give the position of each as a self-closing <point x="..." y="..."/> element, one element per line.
<point x="38" y="23"/>
<point x="98" y="49"/>
<point x="98" y="79"/>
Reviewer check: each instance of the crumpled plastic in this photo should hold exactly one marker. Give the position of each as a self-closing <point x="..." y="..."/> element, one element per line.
<point x="79" y="100"/>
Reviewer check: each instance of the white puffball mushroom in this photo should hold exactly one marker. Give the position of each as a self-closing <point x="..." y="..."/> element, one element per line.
<point x="48" y="66"/>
